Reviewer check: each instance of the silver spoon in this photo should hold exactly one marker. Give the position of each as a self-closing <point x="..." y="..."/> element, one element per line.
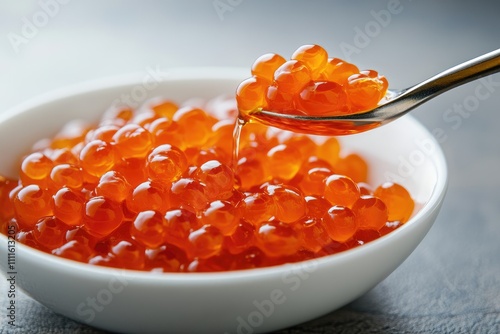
<point x="396" y="103"/>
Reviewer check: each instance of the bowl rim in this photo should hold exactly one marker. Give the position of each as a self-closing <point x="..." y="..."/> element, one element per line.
<point x="215" y="73"/>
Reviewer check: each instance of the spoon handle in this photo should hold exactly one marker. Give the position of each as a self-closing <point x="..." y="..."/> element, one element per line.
<point x="458" y="75"/>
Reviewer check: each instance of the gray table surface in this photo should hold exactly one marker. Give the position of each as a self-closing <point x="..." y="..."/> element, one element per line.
<point x="451" y="282"/>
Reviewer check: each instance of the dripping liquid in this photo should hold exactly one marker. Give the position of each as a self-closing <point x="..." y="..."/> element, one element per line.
<point x="238" y="127"/>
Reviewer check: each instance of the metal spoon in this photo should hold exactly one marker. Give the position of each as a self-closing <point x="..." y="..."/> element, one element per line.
<point x="396" y="103"/>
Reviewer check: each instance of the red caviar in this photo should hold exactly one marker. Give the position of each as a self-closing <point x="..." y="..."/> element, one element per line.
<point x="154" y="188"/>
<point x="309" y="83"/>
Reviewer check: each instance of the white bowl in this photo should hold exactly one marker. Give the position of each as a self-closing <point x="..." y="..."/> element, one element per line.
<point x="250" y="301"/>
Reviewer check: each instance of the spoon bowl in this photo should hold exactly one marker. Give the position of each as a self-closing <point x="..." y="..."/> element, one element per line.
<point x="395" y="104"/>
<point x="257" y="300"/>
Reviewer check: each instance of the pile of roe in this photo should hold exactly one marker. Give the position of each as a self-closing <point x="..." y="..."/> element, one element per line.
<point x="310" y="83"/>
<point x="154" y="189"/>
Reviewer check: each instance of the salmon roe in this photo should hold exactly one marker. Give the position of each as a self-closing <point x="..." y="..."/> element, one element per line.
<point x="309" y="83"/>
<point x="155" y="189"/>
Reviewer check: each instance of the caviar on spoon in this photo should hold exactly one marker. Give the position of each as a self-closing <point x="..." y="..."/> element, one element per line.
<point x="314" y="94"/>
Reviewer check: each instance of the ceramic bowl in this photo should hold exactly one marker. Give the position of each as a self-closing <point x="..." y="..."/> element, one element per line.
<point x="250" y="301"/>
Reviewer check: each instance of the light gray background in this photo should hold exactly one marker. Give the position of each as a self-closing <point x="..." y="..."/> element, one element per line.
<point x="451" y="283"/>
